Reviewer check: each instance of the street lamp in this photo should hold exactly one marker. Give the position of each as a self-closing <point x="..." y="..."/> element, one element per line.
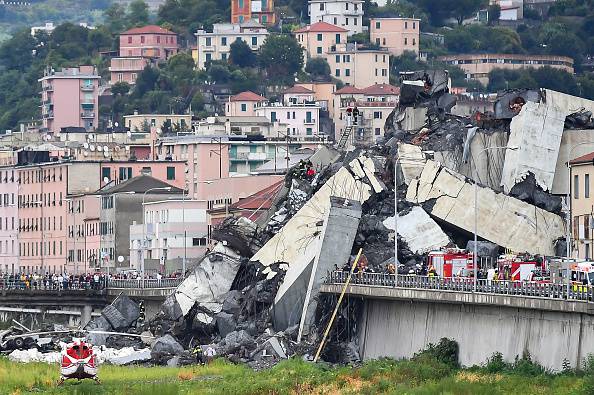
<point x="144" y="227"/>
<point x="475" y="260"/>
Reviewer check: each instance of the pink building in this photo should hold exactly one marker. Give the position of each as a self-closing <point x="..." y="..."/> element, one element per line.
<point x="243" y="104"/>
<point x="56" y="217"/>
<point x="396" y="34"/>
<point x="83" y="240"/>
<point x="320" y="38"/>
<point x="126" y="69"/>
<point x="148" y="42"/>
<point x="9" y="221"/>
<point x="70" y="98"/>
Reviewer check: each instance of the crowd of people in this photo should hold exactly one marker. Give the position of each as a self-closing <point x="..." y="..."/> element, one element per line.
<point x="65" y="281"/>
<point x="54" y="281"/>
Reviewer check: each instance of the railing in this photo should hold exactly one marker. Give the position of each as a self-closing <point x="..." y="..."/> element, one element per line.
<point x="513" y="288"/>
<point x="77" y="285"/>
<point x="146" y="283"/>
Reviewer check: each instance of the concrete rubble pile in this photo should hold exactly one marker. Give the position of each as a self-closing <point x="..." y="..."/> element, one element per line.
<point x="255" y="297"/>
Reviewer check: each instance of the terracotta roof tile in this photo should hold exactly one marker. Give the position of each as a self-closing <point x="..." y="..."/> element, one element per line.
<point x="298" y="89"/>
<point x="247" y="96"/>
<point x="150" y="29"/>
<point x="321" y="27"/>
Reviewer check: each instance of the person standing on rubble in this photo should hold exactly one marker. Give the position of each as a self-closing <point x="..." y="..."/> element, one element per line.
<point x="198" y="354"/>
<point x="210" y="354"/>
<point x="355" y="115"/>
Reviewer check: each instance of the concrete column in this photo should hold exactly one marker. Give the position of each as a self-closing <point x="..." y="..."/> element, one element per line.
<point x="338" y="236"/>
<point x="85" y="315"/>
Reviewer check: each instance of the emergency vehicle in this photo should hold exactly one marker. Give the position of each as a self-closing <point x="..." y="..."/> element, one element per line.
<point x="451" y="262"/>
<point x="582" y="273"/>
<point x="520" y="267"/>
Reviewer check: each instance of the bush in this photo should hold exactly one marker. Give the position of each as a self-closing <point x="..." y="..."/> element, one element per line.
<point x="525" y="366"/>
<point x="446" y="352"/>
<point x="496" y="364"/>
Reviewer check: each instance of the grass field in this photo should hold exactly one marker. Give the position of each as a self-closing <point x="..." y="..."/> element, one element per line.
<point x="424" y="375"/>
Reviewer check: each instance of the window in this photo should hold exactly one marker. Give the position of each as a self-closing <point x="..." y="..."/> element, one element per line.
<point x="383" y="41"/>
<point x="356" y="22"/>
<point x="587" y="186"/>
<point x="377" y="41"/>
<point x="208" y="41"/>
<point x="337" y="73"/>
<point x="243" y="107"/>
<point x="321" y="6"/>
<point x="264" y="18"/>
<point x="414" y="25"/>
<point x="129" y="39"/>
<point x="347" y="72"/>
<point x="125" y="173"/>
<point x="319" y="50"/>
<point x="576" y="187"/>
<point x="346" y="20"/>
<point x="405" y="41"/>
<point x="106" y="173"/>
<point x="240" y="3"/>
<point x="377" y="115"/>
<point x="377" y="25"/>
<point x="170" y="173"/>
<point x="337" y="58"/>
<point x="309" y="131"/>
<point x="414" y="41"/>
<point x="405" y="25"/>
<point x="241" y="19"/>
<point x="142" y="39"/>
<point x="308" y="118"/>
<point x="319" y="36"/>
<point x="335" y="21"/>
<point x="273" y="116"/>
<point x="337" y="39"/>
<point x="254" y="41"/>
<point x="159" y="39"/>
<point x="198" y="241"/>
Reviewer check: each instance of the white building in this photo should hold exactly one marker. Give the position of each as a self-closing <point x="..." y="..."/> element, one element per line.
<point x="216" y="45"/>
<point x="174" y="229"/>
<point x="344" y="13"/>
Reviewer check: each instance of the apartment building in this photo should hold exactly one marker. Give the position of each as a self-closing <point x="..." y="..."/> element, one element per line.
<point x="360" y="67"/>
<point x="301" y="116"/>
<point x="347" y="14"/>
<point x="150" y="41"/>
<point x="70" y="98"/>
<point x="216" y="45"/>
<point x="478" y="66"/>
<point x="126" y="69"/>
<point x="320" y="38"/>
<point x="375" y="103"/>
<point x="211" y="160"/>
<point x="52" y="207"/>
<point x="397" y="35"/>
<point x="9" y="221"/>
<point x="582" y="203"/>
<point x="323" y="93"/>
<point x="261" y="11"/>
<point x="243" y="104"/>
<point x="122" y="206"/>
<point x="175" y="230"/>
<point x="239" y="126"/>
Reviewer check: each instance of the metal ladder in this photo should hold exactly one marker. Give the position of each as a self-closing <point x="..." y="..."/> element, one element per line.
<point x="346" y="133"/>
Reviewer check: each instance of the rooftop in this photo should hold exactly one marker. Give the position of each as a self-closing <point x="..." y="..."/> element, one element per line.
<point x="298" y="89"/>
<point x="261" y="200"/>
<point x="150" y="29"/>
<point x="373" y="90"/>
<point x="247" y="96"/>
<point x="139" y="184"/>
<point x="321" y="27"/>
<point x="584" y="159"/>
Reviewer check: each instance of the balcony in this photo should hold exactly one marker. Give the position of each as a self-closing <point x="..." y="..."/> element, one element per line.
<point x="49" y="114"/>
<point x="48" y="88"/>
<point x="249" y="156"/>
<point x="88" y="102"/>
<point x="87" y="88"/>
<point x="87" y="114"/>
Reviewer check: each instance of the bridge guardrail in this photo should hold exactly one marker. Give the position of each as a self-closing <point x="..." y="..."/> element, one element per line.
<point x="11" y="284"/>
<point x="498" y="287"/>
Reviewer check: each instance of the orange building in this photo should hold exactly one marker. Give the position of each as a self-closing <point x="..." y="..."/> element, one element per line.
<point x="259" y="10"/>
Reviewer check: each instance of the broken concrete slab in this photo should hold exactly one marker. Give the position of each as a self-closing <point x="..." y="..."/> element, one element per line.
<point x="302" y="231"/>
<point x="411" y="161"/>
<point x="338" y="235"/>
<point x="536" y="133"/>
<point x="167" y="345"/>
<point x="419" y="230"/>
<point x="502" y="219"/>
<point x="226" y="323"/>
<point x="209" y="282"/>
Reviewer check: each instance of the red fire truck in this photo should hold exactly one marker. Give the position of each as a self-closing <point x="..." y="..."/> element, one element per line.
<point x="520" y="267"/>
<point x="450" y="262"/>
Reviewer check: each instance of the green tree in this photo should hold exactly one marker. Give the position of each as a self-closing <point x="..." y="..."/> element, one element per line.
<point x="120" y="88"/>
<point x="241" y="54"/>
<point x="115" y="18"/>
<point x="440" y="10"/>
<point x="146" y="81"/>
<point x="318" y="67"/>
<point x="219" y="73"/>
<point x="282" y="57"/>
<point x="138" y="13"/>
<point x="181" y="71"/>
<point x="18" y="52"/>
